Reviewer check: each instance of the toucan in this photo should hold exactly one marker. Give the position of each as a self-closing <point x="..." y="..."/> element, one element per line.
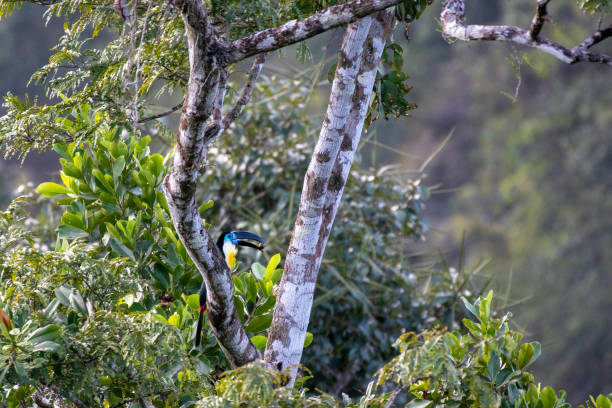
<point x="227" y="243"/>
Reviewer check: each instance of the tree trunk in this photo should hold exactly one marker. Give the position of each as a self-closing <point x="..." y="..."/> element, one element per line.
<point x="323" y="185"/>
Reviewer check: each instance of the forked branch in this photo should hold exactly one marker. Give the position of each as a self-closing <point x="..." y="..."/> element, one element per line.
<point x="454" y="28"/>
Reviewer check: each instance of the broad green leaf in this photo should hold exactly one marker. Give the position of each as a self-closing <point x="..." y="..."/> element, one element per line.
<point x="161" y="275"/>
<point x="308" y="339"/>
<point x="174" y="320"/>
<point x="259" y="341"/>
<point x="238" y="284"/>
<point x="258" y="270"/>
<point x="63" y="295"/>
<point x="49" y="332"/>
<point x="259" y="323"/>
<point x="121" y="249"/>
<point x="50" y="189"/>
<point x="118" y="167"/>
<point x="272" y="264"/>
<point x="525" y="354"/>
<point x="192" y="301"/>
<point x="602" y="402"/>
<point x="156" y="164"/>
<point x="548" y="397"/>
<point x="68" y="232"/>
<point x="50" y="346"/>
<point x="251" y="288"/>
<point x="77" y="302"/>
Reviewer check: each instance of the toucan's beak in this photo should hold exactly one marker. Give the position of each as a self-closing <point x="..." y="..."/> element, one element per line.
<point x="238" y="238"/>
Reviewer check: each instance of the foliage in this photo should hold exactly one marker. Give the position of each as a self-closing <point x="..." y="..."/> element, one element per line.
<point x="604" y="6"/>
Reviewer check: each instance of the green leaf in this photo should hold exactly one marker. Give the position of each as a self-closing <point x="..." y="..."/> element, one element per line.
<point x="156" y="164"/>
<point x="162" y="276"/>
<point x="493" y="365"/>
<point x="513" y="393"/>
<point x="259" y="323"/>
<point x="239" y="305"/>
<point x="272" y="264"/>
<point x="77" y="302"/>
<point x="485" y="307"/>
<point x="118" y="167"/>
<point x="308" y="339"/>
<point x="206" y="206"/>
<point x="51" y="189"/>
<point x="63" y="295"/>
<point x="47" y="346"/>
<point x="525" y="354"/>
<point x="251" y="288"/>
<point x="331" y="73"/>
<point x="258" y="270"/>
<point x="121" y="249"/>
<point x="238" y="284"/>
<point x="192" y="301"/>
<point x="531" y="396"/>
<point x="602" y="402"/>
<point x="68" y="232"/>
<point x="49" y="332"/>
<point x="548" y="397"/>
<point x="472" y="309"/>
<point x="259" y="341"/>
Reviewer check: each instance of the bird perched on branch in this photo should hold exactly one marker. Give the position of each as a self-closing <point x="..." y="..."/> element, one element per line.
<point x="227" y="243"/>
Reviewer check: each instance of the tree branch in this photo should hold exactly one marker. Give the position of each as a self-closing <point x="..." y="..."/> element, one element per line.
<point x="218" y="125"/>
<point x="596" y="38"/>
<point x="194" y="15"/>
<point x="539" y="18"/>
<point x="295" y="31"/>
<point x="161" y="115"/>
<point x="349" y="98"/>
<point x="454" y="27"/>
<point x="246" y="92"/>
<point x="205" y="82"/>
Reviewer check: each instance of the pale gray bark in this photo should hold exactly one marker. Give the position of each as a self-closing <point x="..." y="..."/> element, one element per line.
<point x="202" y="94"/>
<point x="208" y="58"/>
<point x="454" y="28"/>
<point x="323" y="185"/>
<point x="295" y="31"/>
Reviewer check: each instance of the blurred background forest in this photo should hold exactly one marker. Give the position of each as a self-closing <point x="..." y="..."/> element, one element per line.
<point x="525" y="175"/>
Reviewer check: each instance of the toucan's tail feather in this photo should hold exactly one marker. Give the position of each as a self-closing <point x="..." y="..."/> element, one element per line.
<point x="198" y="336"/>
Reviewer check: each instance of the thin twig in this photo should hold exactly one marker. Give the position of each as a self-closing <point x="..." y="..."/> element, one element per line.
<point x="161" y="115"/>
<point x="217" y="126"/>
<point x="247" y="91"/>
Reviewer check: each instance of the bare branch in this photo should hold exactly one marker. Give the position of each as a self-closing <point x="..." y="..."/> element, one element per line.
<point x="454" y="28"/>
<point x="596" y="38"/>
<point x="538" y="20"/>
<point x="246" y="92"/>
<point x="295" y="31"/>
<point x="218" y="125"/>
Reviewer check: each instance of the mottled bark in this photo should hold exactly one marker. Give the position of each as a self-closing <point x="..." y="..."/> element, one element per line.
<point x="204" y="90"/>
<point x="454" y="28"/>
<point x="323" y="185"/>
<point x="295" y="31"/>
